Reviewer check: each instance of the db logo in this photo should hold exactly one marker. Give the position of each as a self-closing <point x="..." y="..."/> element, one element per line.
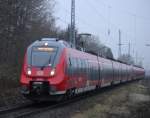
<point x="40" y="73"/>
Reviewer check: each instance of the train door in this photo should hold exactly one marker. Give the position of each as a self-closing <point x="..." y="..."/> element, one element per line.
<point x="99" y="71"/>
<point x="88" y="75"/>
<point x="121" y="72"/>
<point x="113" y="73"/>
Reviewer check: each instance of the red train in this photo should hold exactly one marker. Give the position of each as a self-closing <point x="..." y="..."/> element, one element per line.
<point x="53" y="70"/>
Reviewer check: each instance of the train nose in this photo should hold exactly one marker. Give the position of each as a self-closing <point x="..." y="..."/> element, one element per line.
<point x="39" y="88"/>
<point x="38" y="72"/>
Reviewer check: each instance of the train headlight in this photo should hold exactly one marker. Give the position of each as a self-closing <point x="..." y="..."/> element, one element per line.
<point x="29" y="71"/>
<point x="46" y="44"/>
<point x="52" y="73"/>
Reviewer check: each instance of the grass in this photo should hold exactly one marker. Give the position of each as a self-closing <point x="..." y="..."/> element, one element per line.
<point x="115" y="103"/>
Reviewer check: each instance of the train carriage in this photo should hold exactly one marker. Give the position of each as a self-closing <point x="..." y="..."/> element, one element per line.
<point x="52" y="70"/>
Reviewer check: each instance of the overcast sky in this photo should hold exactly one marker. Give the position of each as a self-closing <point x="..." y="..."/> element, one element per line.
<point x="132" y="17"/>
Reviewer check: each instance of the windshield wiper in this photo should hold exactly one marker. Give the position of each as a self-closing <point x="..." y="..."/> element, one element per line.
<point x="48" y="62"/>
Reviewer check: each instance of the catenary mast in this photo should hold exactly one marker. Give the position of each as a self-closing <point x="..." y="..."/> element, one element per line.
<point x="72" y="29"/>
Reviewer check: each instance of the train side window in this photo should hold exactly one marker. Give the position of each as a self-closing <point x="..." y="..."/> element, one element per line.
<point x="92" y="71"/>
<point x="74" y="63"/>
<point x="87" y="67"/>
<point x="69" y="62"/>
<point x="97" y="72"/>
<point x="93" y="76"/>
<point x="81" y="66"/>
<point x="89" y="72"/>
<point x="84" y="66"/>
<point x="77" y="66"/>
<point x="68" y="68"/>
<point x="74" y="66"/>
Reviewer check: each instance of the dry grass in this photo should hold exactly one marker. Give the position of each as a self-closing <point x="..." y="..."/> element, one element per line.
<point x="9" y="77"/>
<point x="9" y="85"/>
<point x="115" y="104"/>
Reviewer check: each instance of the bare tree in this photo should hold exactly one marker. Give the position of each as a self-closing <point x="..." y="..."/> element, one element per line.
<point x="22" y="22"/>
<point x="126" y="58"/>
<point x="92" y="44"/>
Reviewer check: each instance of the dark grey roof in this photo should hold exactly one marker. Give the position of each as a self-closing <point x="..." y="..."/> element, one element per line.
<point x="50" y="42"/>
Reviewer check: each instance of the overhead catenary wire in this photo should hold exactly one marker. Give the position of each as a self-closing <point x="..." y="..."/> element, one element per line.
<point x="128" y="34"/>
<point x="124" y="11"/>
<point x="135" y="16"/>
<point x="83" y="21"/>
<point x="100" y="16"/>
<point x="92" y="6"/>
<point x="88" y="24"/>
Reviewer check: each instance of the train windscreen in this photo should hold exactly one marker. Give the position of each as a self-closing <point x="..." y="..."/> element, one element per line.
<point x="43" y="56"/>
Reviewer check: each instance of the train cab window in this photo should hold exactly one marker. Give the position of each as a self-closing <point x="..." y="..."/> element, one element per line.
<point x="43" y="56"/>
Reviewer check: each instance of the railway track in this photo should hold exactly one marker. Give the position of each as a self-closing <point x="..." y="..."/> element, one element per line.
<point x="10" y="109"/>
<point x="4" y="110"/>
<point x="31" y="109"/>
<point x="51" y="106"/>
<point x="25" y="111"/>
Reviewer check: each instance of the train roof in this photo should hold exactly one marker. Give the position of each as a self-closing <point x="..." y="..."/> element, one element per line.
<point x="60" y="43"/>
<point x="50" y="42"/>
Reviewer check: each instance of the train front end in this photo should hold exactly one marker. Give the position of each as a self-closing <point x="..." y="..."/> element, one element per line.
<point x="42" y="76"/>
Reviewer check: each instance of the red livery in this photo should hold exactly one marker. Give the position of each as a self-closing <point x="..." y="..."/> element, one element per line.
<point x="53" y="70"/>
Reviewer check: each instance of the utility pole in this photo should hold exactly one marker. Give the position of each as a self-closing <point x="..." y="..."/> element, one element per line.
<point x="72" y="29"/>
<point x="136" y="58"/>
<point x="129" y="49"/>
<point x="109" y="15"/>
<point x="119" y="51"/>
<point x="148" y="45"/>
